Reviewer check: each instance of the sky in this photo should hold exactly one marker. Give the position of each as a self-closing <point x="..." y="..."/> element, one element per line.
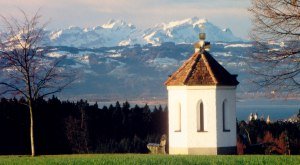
<point x="231" y="14"/>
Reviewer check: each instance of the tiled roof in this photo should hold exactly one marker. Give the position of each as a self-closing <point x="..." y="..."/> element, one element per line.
<point x="202" y="69"/>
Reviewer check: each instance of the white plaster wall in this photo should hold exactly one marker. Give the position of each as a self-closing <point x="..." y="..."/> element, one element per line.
<point x="208" y="137"/>
<point x="225" y="139"/>
<point x="175" y="98"/>
<point x="212" y="98"/>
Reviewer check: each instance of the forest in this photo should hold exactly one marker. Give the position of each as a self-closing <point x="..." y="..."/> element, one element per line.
<point x="65" y="127"/>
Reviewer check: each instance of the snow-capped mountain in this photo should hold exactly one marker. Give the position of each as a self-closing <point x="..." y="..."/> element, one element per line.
<point x="113" y="33"/>
<point x="120" y="33"/>
<point x="185" y="31"/>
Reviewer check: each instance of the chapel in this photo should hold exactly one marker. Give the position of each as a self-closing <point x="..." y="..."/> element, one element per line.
<point x="202" y="105"/>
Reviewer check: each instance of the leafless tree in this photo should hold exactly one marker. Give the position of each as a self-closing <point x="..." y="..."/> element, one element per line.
<point x="276" y="32"/>
<point x="25" y="68"/>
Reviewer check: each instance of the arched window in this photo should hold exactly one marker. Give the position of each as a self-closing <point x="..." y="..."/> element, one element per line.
<point x="225" y="116"/>
<point x="178" y="118"/>
<point x="200" y="117"/>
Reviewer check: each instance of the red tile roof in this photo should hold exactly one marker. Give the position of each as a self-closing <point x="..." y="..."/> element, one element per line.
<point x="202" y="69"/>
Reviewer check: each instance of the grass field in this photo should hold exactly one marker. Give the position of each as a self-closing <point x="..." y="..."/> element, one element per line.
<point x="148" y="159"/>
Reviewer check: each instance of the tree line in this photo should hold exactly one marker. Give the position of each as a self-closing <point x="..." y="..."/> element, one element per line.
<point x="260" y="137"/>
<point x="64" y="127"/>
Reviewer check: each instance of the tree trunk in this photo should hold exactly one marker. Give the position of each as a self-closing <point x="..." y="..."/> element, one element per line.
<point x="31" y="128"/>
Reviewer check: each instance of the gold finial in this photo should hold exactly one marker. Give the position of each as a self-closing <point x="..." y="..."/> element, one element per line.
<point x="202" y="35"/>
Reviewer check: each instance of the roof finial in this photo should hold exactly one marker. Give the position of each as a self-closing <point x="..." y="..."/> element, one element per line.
<point x="202" y="34"/>
<point x="201" y="44"/>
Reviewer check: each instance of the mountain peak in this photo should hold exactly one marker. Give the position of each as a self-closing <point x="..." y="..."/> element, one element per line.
<point x="198" y="20"/>
<point x="188" y="21"/>
<point x="112" y="23"/>
<point x="227" y="30"/>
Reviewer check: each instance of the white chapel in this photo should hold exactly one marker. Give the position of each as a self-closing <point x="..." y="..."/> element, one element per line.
<point x="202" y="106"/>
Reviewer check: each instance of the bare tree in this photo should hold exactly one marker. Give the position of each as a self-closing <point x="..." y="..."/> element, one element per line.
<point x="276" y="32"/>
<point x="26" y="70"/>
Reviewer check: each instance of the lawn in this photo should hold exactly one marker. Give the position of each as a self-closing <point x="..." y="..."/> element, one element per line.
<point x="148" y="159"/>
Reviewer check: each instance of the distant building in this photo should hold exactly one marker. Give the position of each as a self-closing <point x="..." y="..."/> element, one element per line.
<point x="255" y="116"/>
<point x="250" y="116"/>
<point x="268" y="121"/>
<point x="202" y="106"/>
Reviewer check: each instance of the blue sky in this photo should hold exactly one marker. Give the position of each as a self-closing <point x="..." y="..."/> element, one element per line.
<point x="143" y="13"/>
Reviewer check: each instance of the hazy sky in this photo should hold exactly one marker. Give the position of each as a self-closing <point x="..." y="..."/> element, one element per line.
<point x="142" y="13"/>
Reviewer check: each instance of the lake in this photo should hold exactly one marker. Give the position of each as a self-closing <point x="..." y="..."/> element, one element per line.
<point x="277" y="109"/>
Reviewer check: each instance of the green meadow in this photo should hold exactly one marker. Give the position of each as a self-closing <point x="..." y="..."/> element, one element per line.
<point x="139" y="159"/>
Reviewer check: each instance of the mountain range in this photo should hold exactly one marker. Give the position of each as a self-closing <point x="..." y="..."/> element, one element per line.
<point x="138" y="72"/>
<point x="120" y="33"/>
<point x="117" y="61"/>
